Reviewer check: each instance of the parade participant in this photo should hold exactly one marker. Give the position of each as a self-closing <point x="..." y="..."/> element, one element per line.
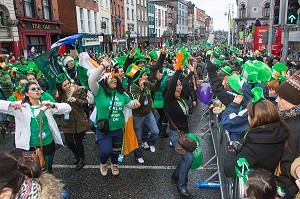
<point x="45" y="96"/>
<point x="23" y="178"/>
<point x="19" y="90"/>
<point x="6" y="83"/>
<point x="121" y="76"/>
<point x="70" y="70"/>
<point x="27" y="119"/>
<point x="141" y="89"/>
<point x="288" y="101"/>
<point x="73" y="124"/>
<point x="177" y="110"/>
<point x="109" y="95"/>
<point x="268" y="136"/>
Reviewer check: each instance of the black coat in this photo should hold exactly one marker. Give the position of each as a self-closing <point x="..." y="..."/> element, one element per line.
<point x="263" y="147"/>
<point x="289" y="155"/>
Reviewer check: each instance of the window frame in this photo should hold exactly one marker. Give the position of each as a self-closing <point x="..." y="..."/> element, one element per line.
<point x="50" y="9"/>
<point x="33" y="6"/>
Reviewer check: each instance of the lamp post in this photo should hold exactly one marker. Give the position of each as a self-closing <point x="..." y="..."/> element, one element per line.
<point x="229" y="12"/>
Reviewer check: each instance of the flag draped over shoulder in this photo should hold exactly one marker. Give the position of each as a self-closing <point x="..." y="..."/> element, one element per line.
<point x="48" y="65"/>
<point x="130" y="141"/>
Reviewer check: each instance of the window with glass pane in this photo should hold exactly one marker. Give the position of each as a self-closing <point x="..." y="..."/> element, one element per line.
<point x="95" y="19"/>
<point x="28" y="8"/>
<point x="127" y="13"/>
<point x="266" y="10"/>
<point x="81" y="19"/>
<point x="132" y="13"/>
<point x="89" y="20"/>
<point x="46" y="9"/>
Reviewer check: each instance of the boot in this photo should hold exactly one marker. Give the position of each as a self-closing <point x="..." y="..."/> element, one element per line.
<point x="80" y="164"/>
<point x="103" y="169"/>
<point x="163" y="131"/>
<point x="49" y="162"/>
<point x="115" y="169"/>
<point x="75" y="160"/>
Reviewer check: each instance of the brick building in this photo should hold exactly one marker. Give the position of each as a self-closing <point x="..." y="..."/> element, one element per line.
<point x="118" y="24"/>
<point x="9" y="36"/>
<point x="81" y="16"/>
<point x="38" y="26"/>
<point x="142" y="22"/>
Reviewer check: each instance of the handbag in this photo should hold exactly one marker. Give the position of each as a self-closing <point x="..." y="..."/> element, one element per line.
<point x="37" y="155"/>
<point x="184" y="142"/>
<point x="87" y="124"/>
<point x="102" y="124"/>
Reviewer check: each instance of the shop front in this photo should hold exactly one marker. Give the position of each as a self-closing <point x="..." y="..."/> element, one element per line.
<point x="38" y="34"/>
<point x="91" y="43"/>
<point x="119" y="44"/>
<point x="143" y="42"/>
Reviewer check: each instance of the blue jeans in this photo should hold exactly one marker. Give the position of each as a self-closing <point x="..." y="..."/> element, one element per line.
<point x="183" y="167"/>
<point x="139" y="123"/>
<point x="110" y="145"/>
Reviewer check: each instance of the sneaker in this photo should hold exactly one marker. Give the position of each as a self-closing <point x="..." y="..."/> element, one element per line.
<point x="171" y="145"/>
<point x="152" y="149"/>
<point x="145" y="145"/>
<point x="103" y="169"/>
<point x="115" y="169"/>
<point x="140" y="160"/>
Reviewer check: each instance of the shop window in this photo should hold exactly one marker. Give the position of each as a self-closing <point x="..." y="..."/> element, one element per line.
<point x="38" y="42"/>
<point x="47" y="9"/>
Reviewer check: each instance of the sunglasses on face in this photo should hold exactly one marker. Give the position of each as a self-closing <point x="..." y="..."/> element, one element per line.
<point x="36" y="89"/>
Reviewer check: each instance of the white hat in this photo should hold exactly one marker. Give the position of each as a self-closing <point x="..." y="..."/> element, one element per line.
<point x="67" y="59"/>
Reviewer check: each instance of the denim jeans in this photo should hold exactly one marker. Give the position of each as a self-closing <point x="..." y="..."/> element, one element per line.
<point x="110" y="145"/>
<point x="139" y="123"/>
<point x="183" y="167"/>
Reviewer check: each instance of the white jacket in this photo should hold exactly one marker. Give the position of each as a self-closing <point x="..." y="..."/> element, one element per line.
<point x="23" y="118"/>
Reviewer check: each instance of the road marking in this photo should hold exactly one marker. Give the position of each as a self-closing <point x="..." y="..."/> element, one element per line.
<point x="64" y="166"/>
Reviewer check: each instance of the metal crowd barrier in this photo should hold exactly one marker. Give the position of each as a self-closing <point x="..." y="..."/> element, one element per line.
<point x="231" y="188"/>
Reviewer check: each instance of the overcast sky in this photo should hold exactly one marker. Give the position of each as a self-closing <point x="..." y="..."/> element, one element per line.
<point x="216" y="9"/>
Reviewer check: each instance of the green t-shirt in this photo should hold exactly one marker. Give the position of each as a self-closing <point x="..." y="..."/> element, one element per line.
<point x="35" y="128"/>
<point x="125" y="83"/>
<point x="104" y="104"/>
<point x="158" y="100"/>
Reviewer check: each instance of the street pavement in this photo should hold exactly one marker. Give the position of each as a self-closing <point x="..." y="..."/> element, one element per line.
<point x="150" y="180"/>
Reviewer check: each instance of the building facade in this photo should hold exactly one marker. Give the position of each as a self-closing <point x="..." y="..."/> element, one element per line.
<point x="9" y="36"/>
<point x="118" y="24"/>
<point x="181" y="17"/>
<point x="191" y="18"/>
<point x="142" y="22"/>
<point x="160" y="20"/>
<point x="197" y="21"/>
<point x="38" y="25"/>
<point x="81" y="16"/>
<point x="131" y="22"/>
<point x="151" y="24"/>
<point x="202" y="22"/>
<point x="105" y="25"/>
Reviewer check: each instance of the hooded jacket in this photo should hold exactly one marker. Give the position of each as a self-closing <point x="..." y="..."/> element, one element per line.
<point x="263" y="147"/>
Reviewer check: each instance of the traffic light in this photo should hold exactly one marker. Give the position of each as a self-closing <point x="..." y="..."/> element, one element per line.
<point x="276" y="12"/>
<point x="292" y="13"/>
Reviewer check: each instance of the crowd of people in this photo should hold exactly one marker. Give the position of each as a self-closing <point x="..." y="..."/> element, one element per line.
<point x="260" y="97"/>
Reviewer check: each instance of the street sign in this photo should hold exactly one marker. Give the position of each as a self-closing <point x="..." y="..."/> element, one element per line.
<point x="292" y="18"/>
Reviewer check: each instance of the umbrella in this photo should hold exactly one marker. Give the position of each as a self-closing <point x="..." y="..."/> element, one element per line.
<point x="3" y="50"/>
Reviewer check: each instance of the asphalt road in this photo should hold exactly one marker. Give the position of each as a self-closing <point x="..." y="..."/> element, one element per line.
<point x="150" y="180"/>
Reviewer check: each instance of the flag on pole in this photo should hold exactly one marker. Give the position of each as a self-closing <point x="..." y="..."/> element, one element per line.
<point x="230" y="19"/>
<point x="67" y="40"/>
<point x="48" y="65"/>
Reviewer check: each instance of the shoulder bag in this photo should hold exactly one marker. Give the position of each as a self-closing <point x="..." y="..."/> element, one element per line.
<point x="102" y="124"/>
<point x="184" y="142"/>
<point x="37" y="155"/>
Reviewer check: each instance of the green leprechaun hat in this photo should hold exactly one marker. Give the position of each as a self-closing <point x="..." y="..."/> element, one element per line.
<point x="235" y="82"/>
<point x="248" y="68"/>
<point x="154" y="54"/>
<point x="227" y="70"/>
<point x="217" y="62"/>
<point x="240" y="61"/>
<point x="60" y="78"/>
<point x="279" y="71"/>
<point x="264" y="71"/>
<point x="258" y="94"/>
<point x="138" y="57"/>
<point x="133" y="71"/>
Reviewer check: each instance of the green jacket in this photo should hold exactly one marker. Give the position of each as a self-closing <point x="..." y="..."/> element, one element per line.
<point x="6" y="83"/>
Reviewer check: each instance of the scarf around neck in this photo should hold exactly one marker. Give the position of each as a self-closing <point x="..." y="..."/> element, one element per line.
<point x="30" y="189"/>
<point x="293" y="112"/>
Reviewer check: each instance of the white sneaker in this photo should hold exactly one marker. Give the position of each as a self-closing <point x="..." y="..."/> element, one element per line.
<point x="140" y="160"/>
<point x="171" y="143"/>
<point x="152" y="149"/>
<point x="145" y="145"/>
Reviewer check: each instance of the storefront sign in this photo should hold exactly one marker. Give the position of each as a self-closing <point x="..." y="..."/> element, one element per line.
<point x="119" y="40"/>
<point x="90" y="41"/>
<point x="39" y="26"/>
